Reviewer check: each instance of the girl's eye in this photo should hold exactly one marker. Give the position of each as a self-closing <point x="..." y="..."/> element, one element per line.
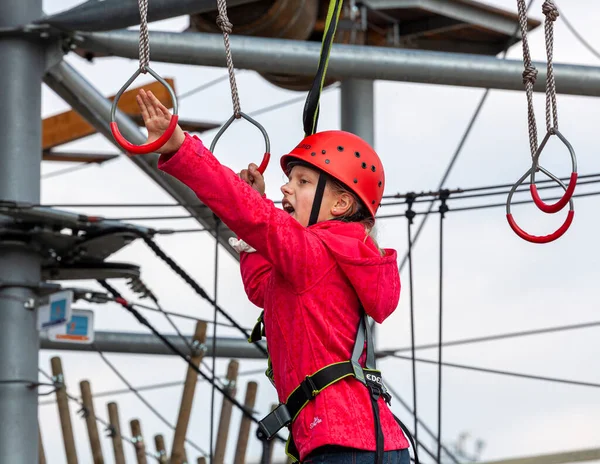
<point x="303" y="181"/>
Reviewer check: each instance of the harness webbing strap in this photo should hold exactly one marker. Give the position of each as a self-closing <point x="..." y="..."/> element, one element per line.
<point x="316" y="206"/>
<point x="311" y="107"/>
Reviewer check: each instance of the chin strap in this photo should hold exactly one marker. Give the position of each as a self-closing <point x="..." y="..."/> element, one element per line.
<point x="316" y="206"/>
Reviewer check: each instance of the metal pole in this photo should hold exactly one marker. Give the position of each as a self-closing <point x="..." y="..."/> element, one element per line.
<point x="95" y="109"/>
<point x="20" y="146"/>
<point x="358" y="116"/>
<point x="358" y="104"/>
<point x="141" y="343"/>
<point x="347" y="61"/>
<point x="117" y="14"/>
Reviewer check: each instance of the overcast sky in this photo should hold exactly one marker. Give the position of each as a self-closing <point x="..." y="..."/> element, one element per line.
<point x="493" y="281"/>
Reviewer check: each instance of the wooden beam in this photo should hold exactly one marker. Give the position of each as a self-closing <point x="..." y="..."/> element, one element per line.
<point x="70" y="126"/>
<point x="78" y="157"/>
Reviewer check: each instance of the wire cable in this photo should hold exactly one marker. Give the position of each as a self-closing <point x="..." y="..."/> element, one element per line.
<point x="182" y="316"/>
<point x="442" y="210"/>
<point x="175" y="350"/>
<point x="463" y="139"/>
<point x="156" y="386"/>
<point x="185" y="276"/>
<point x="146" y="403"/>
<point x="506" y="373"/>
<point x="462" y="193"/>
<point x="396" y="395"/>
<point x="489" y="338"/>
<point x="410" y="214"/>
<point x="486" y="206"/>
<point x="427" y="213"/>
<point x="214" y="339"/>
<point x="577" y="35"/>
<point x="87" y="413"/>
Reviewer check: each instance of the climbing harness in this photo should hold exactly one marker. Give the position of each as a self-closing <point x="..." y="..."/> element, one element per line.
<point x="226" y="27"/>
<point x="529" y="77"/>
<point x="285" y="414"/>
<point x="143" y="68"/>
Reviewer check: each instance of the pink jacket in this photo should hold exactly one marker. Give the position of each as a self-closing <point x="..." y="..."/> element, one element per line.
<point x="309" y="282"/>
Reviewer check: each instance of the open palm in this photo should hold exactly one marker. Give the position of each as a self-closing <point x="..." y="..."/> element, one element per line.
<point x="156" y="119"/>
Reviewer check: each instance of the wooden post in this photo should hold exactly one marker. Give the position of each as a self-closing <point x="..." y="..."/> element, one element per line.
<point x="63" y="410"/>
<point x="246" y="423"/>
<point x="187" y="399"/>
<point x="90" y="420"/>
<point x="159" y="442"/>
<point x="140" y="446"/>
<point x="201" y="460"/>
<point x="272" y="442"/>
<point x="41" y="454"/>
<point x="113" y="418"/>
<point x="225" y="419"/>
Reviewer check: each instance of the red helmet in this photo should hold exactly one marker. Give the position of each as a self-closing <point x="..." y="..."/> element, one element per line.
<point x="347" y="158"/>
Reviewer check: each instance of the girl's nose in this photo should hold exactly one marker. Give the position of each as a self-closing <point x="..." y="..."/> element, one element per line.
<point x="285" y="189"/>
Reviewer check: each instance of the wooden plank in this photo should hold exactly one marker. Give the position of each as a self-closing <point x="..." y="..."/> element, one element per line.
<point x="70" y="126"/>
<point x="78" y="157"/>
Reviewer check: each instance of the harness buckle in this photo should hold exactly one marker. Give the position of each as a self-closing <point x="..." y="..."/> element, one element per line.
<point x="308" y="387"/>
<point x="275" y="421"/>
<point x="375" y="384"/>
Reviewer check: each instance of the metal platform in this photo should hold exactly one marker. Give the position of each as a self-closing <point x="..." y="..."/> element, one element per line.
<point x="462" y="26"/>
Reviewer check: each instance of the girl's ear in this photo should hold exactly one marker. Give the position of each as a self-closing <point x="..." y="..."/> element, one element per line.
<point x="343" y="205"/>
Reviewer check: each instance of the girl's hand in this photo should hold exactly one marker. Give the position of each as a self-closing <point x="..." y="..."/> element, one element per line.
<point x="156" y="118"/>
<point x="253" y="178"/>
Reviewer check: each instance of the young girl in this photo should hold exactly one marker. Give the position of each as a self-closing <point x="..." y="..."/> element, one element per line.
<point x="315" y="270"/>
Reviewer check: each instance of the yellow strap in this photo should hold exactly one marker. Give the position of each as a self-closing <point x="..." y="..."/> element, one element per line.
<point x="313" y="98"/>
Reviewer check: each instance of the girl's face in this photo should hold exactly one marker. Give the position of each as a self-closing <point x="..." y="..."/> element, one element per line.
<point x="299" y="193"/>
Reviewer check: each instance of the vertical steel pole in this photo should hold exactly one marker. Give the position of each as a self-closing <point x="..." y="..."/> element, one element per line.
<point x="21" y="72"/>
<point x="358" y="116"/>
<point x="358" y="105"/>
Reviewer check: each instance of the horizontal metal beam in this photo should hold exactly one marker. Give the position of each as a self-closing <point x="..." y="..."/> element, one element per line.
<point x="347" y="61"/>
<point x="95" y="15"/>
<point x="95" y="108"/>
<point x="141" y="343"/>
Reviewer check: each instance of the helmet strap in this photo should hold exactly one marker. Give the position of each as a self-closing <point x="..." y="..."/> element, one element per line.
<point x="316" y="206"/>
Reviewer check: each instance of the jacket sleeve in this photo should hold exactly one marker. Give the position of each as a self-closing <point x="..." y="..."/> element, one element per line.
<point x="256" y="271"/>
<point x="293" y="250"/>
